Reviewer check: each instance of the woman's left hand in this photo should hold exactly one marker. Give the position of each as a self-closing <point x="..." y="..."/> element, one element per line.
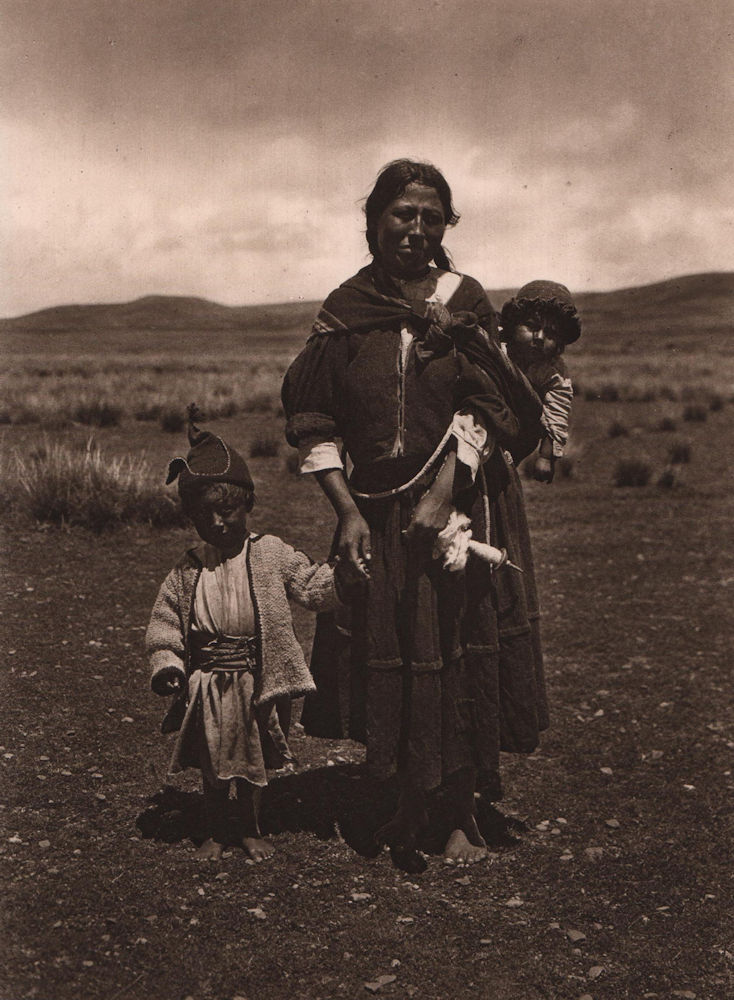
<point x="429" y="517"/>
<point x="434" y="508"/>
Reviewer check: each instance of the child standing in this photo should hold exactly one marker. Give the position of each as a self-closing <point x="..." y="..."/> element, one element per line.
<point x="221" y="639"/>
<point x="537" y="325"/>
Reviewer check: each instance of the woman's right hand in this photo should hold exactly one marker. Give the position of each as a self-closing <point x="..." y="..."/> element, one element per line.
<point x="354" y="544"/>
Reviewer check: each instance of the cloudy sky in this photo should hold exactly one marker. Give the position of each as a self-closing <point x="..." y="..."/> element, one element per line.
<point x="223" y="148"/>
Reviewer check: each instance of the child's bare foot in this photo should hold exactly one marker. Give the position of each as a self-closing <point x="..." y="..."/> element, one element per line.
<point x="465" y="850"/>
<point x="210" y="850"/>
<point x="257" y="848"/>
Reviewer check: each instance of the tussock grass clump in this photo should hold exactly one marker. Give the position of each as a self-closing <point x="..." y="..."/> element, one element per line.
<point x="638" y="394"/>
<point x="716" y="403"/>
<point x="666" y="424"/>
<point x="261" y="402"/>
<point x="606" y="393"/>
<point x="618" y="429"/>
<point x="679" y="453"/>
<point x="694" y="413"/>
<point x="566" y="466"/>
<point x="221" y="408"/>
<point x="632" y="472"/>
<point x="609" y="393"/>
<point x="97" y="413"/>
<point x="148" y="412"/>
<point x="265" y="446"/>
<point x="668" y="478"/>
<point x="80" y="486"/>
<point x="172" y="421"/>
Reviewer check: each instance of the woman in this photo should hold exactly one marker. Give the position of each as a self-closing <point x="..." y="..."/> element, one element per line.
<point x="403" y="367"/>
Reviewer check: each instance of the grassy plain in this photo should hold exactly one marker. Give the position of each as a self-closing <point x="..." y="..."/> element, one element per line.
<point x="610" y="872"/>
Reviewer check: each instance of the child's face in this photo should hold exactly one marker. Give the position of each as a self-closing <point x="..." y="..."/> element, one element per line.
<point x="221" y="520"/>
<point x="533" y="343"/>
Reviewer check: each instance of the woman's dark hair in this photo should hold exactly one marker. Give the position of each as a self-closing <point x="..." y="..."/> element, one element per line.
<point x="391" y="182"/>
<point x="192" y="491"/>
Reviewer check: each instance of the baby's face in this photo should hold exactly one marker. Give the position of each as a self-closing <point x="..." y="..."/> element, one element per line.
<point x="533" y="343"/>
<point x="221" y="521"/>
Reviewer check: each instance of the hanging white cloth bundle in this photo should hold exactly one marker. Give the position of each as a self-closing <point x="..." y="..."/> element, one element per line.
<point x="454" y="543"/>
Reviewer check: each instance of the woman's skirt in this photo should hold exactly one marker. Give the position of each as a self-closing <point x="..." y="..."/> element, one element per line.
<point x="435" y="671"/>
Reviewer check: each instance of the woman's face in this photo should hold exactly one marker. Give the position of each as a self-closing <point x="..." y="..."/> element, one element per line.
<point x="410" y="230"/>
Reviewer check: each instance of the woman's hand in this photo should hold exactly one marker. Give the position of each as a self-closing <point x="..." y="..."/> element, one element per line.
<point x="354" y="544"/>
<point x="430" y="517"/>
<point x="169" y="680"/>
<point x="434" y="508"/>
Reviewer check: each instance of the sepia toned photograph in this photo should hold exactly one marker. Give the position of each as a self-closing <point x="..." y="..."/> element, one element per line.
<point x="366" y="422"/>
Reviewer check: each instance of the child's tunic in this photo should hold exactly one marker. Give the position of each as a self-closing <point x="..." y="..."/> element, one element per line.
<point x="222" y="733"/>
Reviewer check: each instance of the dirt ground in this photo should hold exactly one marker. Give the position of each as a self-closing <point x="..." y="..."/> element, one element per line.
<point x="610" y="868"/>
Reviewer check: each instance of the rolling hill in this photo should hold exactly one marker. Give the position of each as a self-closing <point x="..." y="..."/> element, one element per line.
<point x="691" y="305"/>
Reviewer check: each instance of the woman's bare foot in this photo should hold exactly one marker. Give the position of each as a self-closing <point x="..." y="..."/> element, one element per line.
<point x="460" y="850"/>
<point x="257" y="848"/>
<point x="210" y="850"/>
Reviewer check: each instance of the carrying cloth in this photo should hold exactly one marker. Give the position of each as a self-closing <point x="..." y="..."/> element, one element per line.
<point x="370" y="300"/>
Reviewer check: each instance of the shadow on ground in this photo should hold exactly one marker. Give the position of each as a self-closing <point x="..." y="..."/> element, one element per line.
<point x="328" y="802"/>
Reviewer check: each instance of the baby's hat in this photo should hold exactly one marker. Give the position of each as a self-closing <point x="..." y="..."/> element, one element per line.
<point x="209" y="458"/>
<point x="555" y="295"/>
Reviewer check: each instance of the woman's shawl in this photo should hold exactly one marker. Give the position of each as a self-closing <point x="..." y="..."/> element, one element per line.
<point x="370" y="301"/>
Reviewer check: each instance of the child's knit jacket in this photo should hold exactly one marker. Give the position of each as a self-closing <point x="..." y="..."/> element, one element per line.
<point x="276" y="573"/>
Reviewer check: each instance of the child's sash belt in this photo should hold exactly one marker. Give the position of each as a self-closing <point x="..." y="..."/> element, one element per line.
<point x="223" y="653"/>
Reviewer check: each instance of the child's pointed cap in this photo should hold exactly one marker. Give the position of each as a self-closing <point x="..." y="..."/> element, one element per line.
<point x="556" y="295"/>
<point x="209" y="458"/>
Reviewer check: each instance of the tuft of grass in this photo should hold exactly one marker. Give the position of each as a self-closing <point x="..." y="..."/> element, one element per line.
<point x="618" y="429"/>
<point x="63" y="485"/>
<point x="632" y="472"/>
<point x="221" y="408"/>
<point x="148" y="411"/>
<point x="641" y="395"/>
<point x="695" y="413"/>
<point x="679" y="453"/>
<point x="261" y="402"/>
<point x="172" y="420"/>
<point x="97" y="413"/>
<point x="265" y="446"/>
<point x="668" y="479"/>
<point x="716" y="403"/>
<point x="609" y="393"/>
<point x="566" y="466"/>
<point x="667" y="424"/>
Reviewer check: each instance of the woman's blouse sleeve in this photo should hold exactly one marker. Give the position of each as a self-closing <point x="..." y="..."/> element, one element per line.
<point x="312" y="395"/>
